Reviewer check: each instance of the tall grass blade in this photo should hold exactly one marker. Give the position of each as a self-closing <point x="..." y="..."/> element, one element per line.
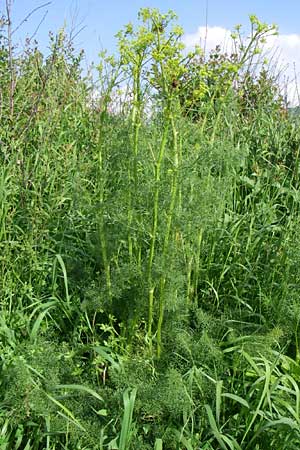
<point x="126" y="430"/>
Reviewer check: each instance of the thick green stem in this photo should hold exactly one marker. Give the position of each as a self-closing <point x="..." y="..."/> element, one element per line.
<point x="154" y="229"/>
<point x="136" y="119"/>
<point x="174" y="188"/>
<point x="135" y="124"/>
<point x="101" y="182"/>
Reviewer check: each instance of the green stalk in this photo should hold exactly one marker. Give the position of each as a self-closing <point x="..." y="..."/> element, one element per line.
<point x="136" y="116"/>
<point x="169" y="117"/>
<point x="135" y="124"/>
<point x="101" y="182"/>
<point x="101" y="188"/>
<point x="197" y="261"/>
<point x="101" y="228"/>
<point x="154" y="230"/>
<point x="193" y="267"/>
<point x="174" y="189"/>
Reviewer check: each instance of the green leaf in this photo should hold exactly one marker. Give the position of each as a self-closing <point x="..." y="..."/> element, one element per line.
<point x="81" y="388"/>
<point x="214" y="428"/>
<point x="67" y="414"/>
<point x="125" y="436"/>
<point x="158" y="444"/>
<point x="236" y="398"/>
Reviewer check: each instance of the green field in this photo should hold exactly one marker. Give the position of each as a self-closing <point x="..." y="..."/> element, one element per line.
<point x="149" y="247"/>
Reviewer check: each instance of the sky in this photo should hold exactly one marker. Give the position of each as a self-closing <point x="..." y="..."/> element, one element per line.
<point x="97" y="22"/>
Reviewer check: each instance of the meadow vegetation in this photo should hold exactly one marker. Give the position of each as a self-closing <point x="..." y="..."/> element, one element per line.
<point x="149" y="248"/>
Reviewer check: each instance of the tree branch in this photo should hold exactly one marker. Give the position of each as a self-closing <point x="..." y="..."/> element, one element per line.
<point x="29" y="15"/>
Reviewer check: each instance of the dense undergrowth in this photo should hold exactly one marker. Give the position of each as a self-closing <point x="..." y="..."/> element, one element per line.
<point x="150" y="250"/>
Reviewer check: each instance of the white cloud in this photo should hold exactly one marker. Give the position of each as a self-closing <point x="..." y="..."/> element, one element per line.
<point x="283" y="51"/>
<point x="287" y="49"/>
<point x="208" y="38"/>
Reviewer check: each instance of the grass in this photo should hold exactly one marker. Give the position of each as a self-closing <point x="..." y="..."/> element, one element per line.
<point x="149" y="260"/>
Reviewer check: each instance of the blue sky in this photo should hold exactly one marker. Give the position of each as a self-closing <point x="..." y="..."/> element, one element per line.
<point x="102" y="19"/>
